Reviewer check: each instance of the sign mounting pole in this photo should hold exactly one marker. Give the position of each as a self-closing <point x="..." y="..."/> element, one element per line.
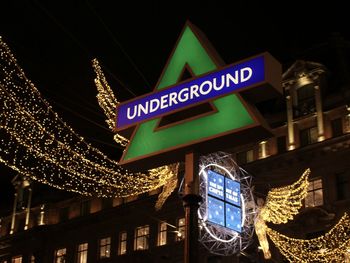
<point x="191" y="201"/>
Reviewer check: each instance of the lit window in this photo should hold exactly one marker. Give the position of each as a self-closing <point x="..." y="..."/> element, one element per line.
<point x="105" y="247"/>
<point x="32" y="259"/>
<point x="122" y="242"/>
<point x="82" y="253"/>
<point x="181" y="225"/>
<point x="141" y="238"/>
<point x="308" y="136"/>
<point x="314" y="194"/>
<point x="162" y="234"/>
<point x="60" y="255"/>
<point x="245" y="157"/>
<point x="17" y="259"/>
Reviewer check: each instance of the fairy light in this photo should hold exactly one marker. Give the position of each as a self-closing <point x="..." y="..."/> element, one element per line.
<point x="331" y="247"/>
<point x="281" y="205"/>
<point x="37" y="143"/>
<point x="107" y="101"/>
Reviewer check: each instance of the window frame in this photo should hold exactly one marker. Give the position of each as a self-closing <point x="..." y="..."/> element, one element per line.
<point x="143" y="238"/>
<point x="122" y="242"/>
<point x="162" y="233"/>
<point x="80" y="252"/>
<point x="106" y="247"/>
<point x="313" y="191"/>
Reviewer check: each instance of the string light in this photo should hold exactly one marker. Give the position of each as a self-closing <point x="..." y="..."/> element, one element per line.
<point x="331" y="247"/>
<point x="37" y="143"/>
<point x="107" y="101"/>
<point x="281" y="205"/>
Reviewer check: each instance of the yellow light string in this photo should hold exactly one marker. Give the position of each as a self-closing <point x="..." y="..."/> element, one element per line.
<point x="281" y="205"/>
<point x="36" y="142"/>
<point x="331" y="247"/>
<point x="107" y="101"/>
<point x="284" y="202"/>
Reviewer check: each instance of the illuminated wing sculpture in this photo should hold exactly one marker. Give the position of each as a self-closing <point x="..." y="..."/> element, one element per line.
<point x="281" y="205"/>
<point x="108" y="102"/>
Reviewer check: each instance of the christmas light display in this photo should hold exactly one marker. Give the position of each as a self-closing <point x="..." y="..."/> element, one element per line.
<point x="281" y="205"/>
<point x="37" y="143"/>
<point x="217" y="238"/>
<point x="331" y="247"/>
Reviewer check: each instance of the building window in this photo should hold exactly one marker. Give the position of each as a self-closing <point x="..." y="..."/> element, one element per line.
<point x="141" y="238"/>
<point x="162" y="234"/>
<point x="245" y="157"/>
<point x="85" y="208"/>
<point x="123" y="236"/>
<point x="16" y="259"/>
<point x="281" y="144"/>
<point x="337" y="127"/>
<point x="32" y="259"/>
<point x="306" y="100"/>
<point x="342" y="184"/>
<point x="60" y="255"/>
<point x="181" y="226"/>
<point x="105" y="247"/>
<point x="314" y="193"/>
<point x="82" y="253"/>
<point x="308" y="136"/>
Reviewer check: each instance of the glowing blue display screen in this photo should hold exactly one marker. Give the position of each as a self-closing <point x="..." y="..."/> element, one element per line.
<point x="224" y="202"/>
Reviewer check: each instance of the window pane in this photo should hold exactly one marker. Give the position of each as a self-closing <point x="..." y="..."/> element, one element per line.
<point x="317" y="184"/>
<point x="105" y="247"/>
<point x="82" y="253"/>
<point x="17" y="259"/>
<point x="318" y="197"/>
<point x="337" y="127"/>
<point x="309" y="200"/>
<point x="250" y="156"/>
<point x="60" y="255"/>
<point x="162" y="235"/>
<point x="141" y="238"/>
<point x="281" y="144"/>
<point x="122" y="243"/>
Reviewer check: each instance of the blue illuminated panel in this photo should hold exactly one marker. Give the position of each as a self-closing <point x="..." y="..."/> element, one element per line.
<point x="224" y="202"/>
<point x="233" y="218"/>
<point x="232" y="192"/>
<point x="216" y="210"/>
<point x="215" y="184"/>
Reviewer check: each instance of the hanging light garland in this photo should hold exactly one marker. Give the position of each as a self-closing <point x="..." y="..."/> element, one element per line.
<point x="36" y="142"/>
<point x="331" y="247"/>
<point x="281" y="205"/>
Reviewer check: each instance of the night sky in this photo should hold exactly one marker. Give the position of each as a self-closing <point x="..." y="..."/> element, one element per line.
<point x="55" y="43"/>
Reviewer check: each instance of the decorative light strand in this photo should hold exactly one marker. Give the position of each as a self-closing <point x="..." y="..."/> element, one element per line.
<point x="281" y="205"/>
<point x="331" y="247"/>
<point x="34" y="141"/>
<point x="107" y="101"/>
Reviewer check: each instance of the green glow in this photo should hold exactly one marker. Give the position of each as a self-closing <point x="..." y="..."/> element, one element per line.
<point x="231" y="112"/>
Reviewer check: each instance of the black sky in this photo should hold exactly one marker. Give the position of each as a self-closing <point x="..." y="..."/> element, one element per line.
<point x="54" y="42"/>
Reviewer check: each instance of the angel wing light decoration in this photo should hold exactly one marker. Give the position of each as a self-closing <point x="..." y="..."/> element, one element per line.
<point x="281" y="205"/>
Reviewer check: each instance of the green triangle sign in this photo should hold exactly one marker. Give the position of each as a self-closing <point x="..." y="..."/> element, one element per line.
<point x="152" y="146"/>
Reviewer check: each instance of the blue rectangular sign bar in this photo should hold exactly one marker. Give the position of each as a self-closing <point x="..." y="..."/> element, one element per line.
<point x="204" y="88"/>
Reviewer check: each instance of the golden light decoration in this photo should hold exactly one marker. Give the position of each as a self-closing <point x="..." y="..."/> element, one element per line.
<point x="281" y="205"/>
<point x="331" y="247"/>
<point x="36" y="142"/>
<point x="108" y="102"/>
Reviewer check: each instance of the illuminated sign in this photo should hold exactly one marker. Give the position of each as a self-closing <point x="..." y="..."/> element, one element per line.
<point x="203" y="114"/>
<point x="210" y="86"/>
<point x="224" y="205"/>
